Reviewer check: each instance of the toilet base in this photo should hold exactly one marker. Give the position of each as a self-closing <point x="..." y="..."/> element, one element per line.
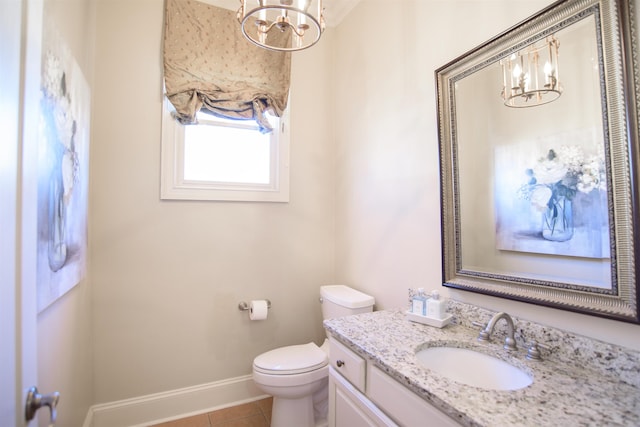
<point x="299" y="400"/>
<point x="292" y="412"/>
<point x="309" y="410"/>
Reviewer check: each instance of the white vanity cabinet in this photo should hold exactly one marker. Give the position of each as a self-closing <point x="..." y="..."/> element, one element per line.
<point x="348" y="405"/>
<point x="350" y="408"/>
<point x="360" y="394"/>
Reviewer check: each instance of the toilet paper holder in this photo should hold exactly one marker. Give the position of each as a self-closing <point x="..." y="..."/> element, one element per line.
<point x="243" y="306"/>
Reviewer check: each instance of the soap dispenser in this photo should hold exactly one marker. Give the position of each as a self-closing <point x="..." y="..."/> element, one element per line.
<point x="419" y="303"/>
<point x="436" y="307"/>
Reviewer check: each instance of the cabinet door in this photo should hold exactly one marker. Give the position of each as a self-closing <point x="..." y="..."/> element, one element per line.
<point x="348" y="414"/>
<point x="350" y="408"/>
<point x="402" y="404"/>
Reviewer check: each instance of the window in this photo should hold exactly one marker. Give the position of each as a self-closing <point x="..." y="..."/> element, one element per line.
<point x="223" y="159"/>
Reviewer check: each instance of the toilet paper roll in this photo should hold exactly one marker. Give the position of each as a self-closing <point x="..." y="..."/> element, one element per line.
<point x="258" y="310"/>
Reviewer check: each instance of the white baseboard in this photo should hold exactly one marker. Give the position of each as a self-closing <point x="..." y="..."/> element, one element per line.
<point x="166" y="406"/>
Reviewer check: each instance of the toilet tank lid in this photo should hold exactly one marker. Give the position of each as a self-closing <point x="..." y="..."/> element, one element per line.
<point x="346" y="296"/>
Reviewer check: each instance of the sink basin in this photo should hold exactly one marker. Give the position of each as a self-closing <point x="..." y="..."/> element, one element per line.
<point x="473" y="368"/>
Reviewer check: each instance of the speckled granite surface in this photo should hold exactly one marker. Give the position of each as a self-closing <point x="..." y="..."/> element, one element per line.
<point x="580" y="382"/>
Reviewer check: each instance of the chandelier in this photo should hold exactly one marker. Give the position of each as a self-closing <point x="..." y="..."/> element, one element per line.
<point x="284" y="25"/>
<point x="530" y="76"/>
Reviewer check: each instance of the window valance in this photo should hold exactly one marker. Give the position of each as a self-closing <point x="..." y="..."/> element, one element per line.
<point x="208" y="64"/>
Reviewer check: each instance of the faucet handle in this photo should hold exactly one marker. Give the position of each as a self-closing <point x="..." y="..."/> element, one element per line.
<point x="533" y="353"/>
<point x="484" y="335"/>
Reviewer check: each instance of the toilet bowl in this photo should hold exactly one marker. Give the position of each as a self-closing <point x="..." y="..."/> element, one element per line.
<point x="294" y="375"/>
<point x="297" y="376"/>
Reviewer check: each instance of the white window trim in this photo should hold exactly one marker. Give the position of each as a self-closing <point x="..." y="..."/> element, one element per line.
<point x="174" y="187"/>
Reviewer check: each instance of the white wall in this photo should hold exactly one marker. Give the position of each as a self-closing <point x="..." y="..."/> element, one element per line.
<point x="168" y="275"/>
<point x="65" y="343"/>
<point x="387" y="213"/>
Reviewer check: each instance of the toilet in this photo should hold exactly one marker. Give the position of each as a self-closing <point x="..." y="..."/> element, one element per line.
<point x="297" y="376"/>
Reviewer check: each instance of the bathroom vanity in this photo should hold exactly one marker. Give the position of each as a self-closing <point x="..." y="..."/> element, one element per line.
<point x="361" y="394"/>
<point x="376" y="378"/>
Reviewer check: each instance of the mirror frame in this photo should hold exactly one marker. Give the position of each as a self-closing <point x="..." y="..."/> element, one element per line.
<point x="618" y="88"/>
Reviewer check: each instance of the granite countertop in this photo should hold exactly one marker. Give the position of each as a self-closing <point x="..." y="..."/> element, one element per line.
<point x="563" y="393"/>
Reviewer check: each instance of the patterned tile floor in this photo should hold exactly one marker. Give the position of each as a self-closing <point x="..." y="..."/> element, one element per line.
<point x="253" y="414"/>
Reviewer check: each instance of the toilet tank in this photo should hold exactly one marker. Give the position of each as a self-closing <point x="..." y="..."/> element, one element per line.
<point x="340" y="300"/>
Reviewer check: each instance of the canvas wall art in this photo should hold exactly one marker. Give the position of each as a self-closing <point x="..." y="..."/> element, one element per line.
<point x="63" y="166"/>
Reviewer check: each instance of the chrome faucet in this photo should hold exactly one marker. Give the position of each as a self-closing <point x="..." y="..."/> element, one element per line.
<point x="510" y="341"/>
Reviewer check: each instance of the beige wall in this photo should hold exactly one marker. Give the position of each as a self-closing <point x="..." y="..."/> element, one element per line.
<point x="387" y="212"/>
<point x="65" y="342"/>
<point x="168" y="275"/>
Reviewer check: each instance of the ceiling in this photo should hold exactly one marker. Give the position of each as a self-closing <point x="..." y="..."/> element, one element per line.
<point x="334" y="10"/>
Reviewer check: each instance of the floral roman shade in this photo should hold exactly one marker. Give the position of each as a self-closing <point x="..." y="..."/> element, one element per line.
<point x="208" y="64"/>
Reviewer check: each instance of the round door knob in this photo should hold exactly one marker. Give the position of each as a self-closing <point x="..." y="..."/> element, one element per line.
<point x="35" y="401"/>
<point x="339" y="363"/>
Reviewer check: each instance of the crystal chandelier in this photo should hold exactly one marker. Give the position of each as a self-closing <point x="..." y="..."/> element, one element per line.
<point x="284" y="25"/>
<point x="530" y="76"/>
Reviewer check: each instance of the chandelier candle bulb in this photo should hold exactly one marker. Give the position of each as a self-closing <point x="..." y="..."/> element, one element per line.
<point x="547" y="72"/>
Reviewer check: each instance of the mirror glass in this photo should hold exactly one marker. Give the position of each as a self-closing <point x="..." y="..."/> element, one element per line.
<point x="508" y="181"/>
<point x="534" y="142"/>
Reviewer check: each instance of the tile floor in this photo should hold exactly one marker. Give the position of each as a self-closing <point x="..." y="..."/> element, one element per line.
<point x="253" y="414"/>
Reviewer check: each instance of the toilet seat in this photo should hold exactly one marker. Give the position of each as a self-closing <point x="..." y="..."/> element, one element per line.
<point x="291" y="360"/>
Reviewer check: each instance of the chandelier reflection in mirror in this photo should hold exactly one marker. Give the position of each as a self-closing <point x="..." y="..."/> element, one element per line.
<point x="530" y="76"/>
<point x="283" y="25"/>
